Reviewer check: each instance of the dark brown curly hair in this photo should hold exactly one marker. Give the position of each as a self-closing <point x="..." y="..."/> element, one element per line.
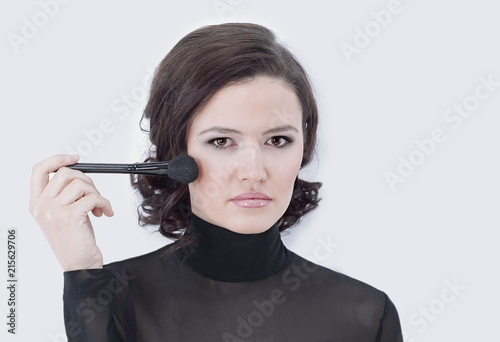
<point x="200" y="64"/>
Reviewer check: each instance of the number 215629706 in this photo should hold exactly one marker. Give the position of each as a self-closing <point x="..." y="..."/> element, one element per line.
<point x="11" y="253"/>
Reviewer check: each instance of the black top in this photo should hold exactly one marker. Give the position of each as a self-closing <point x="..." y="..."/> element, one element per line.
<point x="229" y="287"/>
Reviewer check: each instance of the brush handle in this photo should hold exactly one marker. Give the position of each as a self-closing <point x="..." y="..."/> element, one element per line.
<point x="152" y="168"/>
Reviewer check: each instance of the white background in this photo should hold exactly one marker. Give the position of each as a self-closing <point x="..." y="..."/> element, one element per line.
<point x="439" y="225"/>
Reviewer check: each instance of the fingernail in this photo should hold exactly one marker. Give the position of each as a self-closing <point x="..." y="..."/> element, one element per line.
<point x="75" y="156"/>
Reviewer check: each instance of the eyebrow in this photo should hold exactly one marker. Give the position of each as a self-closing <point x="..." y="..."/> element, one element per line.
<point x="223" y="130"/>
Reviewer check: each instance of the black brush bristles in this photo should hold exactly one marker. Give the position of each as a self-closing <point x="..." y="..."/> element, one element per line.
<point x="183" y="169"/>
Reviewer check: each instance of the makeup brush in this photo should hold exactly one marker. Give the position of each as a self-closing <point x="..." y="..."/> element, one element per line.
<point x="182" y="168"/>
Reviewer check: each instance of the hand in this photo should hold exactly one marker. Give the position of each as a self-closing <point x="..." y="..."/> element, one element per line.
<point x="60" y="208"/>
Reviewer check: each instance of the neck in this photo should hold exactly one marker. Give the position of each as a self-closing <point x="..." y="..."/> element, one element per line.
<point x="224" y="255"/>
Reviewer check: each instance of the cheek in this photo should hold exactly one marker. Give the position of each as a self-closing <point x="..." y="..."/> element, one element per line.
<point x="287" y="177"/>
<point x="213" y="169"/>
<point x="285" y="171"/>
<point x="212" y="179"/>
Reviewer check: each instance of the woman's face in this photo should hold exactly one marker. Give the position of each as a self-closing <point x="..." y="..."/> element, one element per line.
<point x="247" y="139"/>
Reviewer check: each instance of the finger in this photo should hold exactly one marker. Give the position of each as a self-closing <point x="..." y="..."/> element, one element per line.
<point x="63" y="177"/>
<point x="97" y="212"/>
<point x="40" y="173"/>
<point x="91" y="201"/>
<point x="76" y="189"/>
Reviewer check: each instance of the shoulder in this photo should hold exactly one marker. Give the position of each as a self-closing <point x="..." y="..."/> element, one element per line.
<point x="142" y="263"/>
<point x="336" y="299"/>
<point x="320" y="275"/>
<point x="115" y="275"/>
<point x="335" y="287"/>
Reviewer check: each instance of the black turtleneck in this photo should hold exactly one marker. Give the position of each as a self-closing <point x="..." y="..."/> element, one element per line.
<point x="231" y="288"/>
<point x="224" y="255"/>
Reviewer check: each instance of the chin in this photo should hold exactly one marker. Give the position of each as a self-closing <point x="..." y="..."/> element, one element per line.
<point x="252" y="223"/>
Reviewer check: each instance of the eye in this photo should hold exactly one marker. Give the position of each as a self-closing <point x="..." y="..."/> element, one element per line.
<point x="219" y="142"/>
<point x="280" y="141"/>
<point x="276" y="141"/>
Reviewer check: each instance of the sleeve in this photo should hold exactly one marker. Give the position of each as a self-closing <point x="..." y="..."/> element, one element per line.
<point x="89" y="305"/>
<point x="390" y="326"/>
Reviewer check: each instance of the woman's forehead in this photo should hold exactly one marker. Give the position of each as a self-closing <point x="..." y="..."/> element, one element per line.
<point x="264" y="103"/>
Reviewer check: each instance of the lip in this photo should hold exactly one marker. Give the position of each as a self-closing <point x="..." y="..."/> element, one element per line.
<point x="251" y="200"/>
<point x="251" y="195"/>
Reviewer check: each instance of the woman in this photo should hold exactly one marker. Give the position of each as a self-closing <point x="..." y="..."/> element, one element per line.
<point x="241" y="105"/>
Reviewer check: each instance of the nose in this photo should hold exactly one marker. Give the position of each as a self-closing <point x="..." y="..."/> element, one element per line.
<point x="251" y="166"/>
